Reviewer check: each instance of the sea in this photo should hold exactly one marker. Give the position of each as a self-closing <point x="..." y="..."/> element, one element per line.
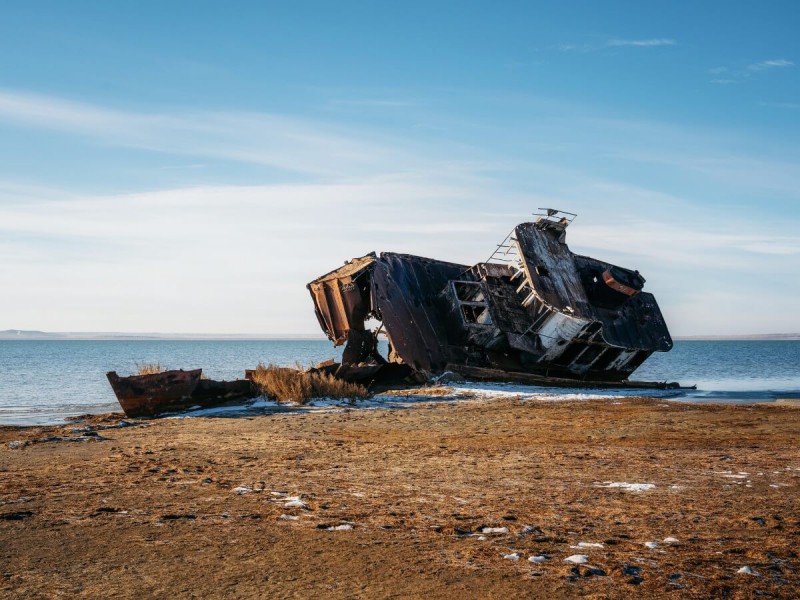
<point x="44" y="381"/>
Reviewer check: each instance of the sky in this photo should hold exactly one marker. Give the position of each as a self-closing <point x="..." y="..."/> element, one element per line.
<point x="188" y="167"/>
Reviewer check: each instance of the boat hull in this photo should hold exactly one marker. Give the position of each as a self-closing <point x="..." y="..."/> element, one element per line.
<point x="149" y="395"/>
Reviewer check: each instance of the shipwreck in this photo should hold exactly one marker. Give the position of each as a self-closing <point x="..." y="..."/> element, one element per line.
<point x="533" y="312"/>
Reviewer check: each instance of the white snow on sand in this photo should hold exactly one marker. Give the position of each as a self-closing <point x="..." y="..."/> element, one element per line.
<point x="587" y="545"/>
<point x="512" y="556"/>
<point x="670" y="540"/>
<point x="651" y="545"/>
<point x="462" y="392"/>
<point x="294" y="502"/>
<point x="494" y="530"/>
<point x="343" y="527"/>
<point x="630" y="487"/>
<point x="242" y="489"/>
<point x="746" y="571"/>
<point x="288" y="518"/>
<point x="577" y="559"/>
<point x="537" y="559"/>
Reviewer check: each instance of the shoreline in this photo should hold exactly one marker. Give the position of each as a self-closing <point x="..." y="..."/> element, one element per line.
<point x="413" y="397"/>
<point x="430" y="502"/>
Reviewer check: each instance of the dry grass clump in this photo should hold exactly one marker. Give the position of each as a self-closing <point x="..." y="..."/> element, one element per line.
<point x="286" y="384"/>
<point x="149" y="368"/>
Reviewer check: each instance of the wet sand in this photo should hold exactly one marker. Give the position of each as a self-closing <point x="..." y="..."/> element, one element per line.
<point x="394" y="503"/>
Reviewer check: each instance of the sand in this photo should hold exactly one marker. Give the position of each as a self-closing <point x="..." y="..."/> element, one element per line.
<point x="477" y="499"/>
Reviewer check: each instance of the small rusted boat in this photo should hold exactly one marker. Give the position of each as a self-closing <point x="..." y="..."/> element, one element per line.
<point x="172" y="391"/>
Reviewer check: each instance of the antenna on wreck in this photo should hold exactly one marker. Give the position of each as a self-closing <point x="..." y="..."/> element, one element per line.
<point x="555" y="215"/>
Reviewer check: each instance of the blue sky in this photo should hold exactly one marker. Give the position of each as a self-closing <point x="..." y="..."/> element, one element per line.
<point x="189" y="166"/>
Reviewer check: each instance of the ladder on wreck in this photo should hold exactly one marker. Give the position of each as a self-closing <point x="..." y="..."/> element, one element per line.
<point x="508" y="254"/>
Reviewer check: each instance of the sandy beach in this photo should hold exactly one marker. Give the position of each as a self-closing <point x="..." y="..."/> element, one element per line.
<point x="443" y="500"/>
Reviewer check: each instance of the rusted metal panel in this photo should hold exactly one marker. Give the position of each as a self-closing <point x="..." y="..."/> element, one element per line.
<point x="341" y="298"/>
<point x="406" y="294"/>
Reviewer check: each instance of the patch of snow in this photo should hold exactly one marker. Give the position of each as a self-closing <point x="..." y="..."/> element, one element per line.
<point x="650" y="545"/>
<point x="588" y="545"/>
<point x="294" y="502"/>
<point x="630" y="487"/>
<point x="482" y="538"/>
<point x="577" y="559"/>
<point x="735" y="475"/>
<point x="670" y="540"/>
<point x="288" y="518"/>
<point x="512" y="556"/>
<point x="746" y="571"/>
<point x="242" y="489"/>
<point x="537" y="559"/>
<point x="342" y="527"/>
<point x="532" y="392"/>
<point x="494" y="530"/>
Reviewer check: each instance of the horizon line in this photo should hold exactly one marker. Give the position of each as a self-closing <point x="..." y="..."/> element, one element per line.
<point x="10" y="334"/>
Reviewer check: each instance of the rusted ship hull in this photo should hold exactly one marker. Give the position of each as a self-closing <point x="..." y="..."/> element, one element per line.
<point x="534" y="308"/>
<point x="172" y="391"/>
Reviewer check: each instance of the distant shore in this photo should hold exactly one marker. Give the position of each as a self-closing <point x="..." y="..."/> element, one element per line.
<point x="16" y="334"/>
<point x="483" y="498"/>
<point x="20" y="334"/>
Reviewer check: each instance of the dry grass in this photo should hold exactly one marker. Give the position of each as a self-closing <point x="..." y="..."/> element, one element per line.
<point x="294" y="385"/>
<point x="149" y="368"/>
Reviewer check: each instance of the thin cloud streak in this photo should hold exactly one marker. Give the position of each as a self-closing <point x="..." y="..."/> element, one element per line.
<point x="287" y="143"/>
<point x="647" y="43"/>
<point x="770" y="64"/>
<point x="740" y="74"/>
<point x="618" y="43"/>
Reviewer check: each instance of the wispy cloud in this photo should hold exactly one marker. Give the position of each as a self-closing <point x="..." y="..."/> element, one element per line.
<point x="787" y="105"/>
<point x="770" y="64"/>
<point x="646" y="43"/>
<point x="618" y="43"/>
<point x="727" y="75"/>
<point x="280" y="141"/>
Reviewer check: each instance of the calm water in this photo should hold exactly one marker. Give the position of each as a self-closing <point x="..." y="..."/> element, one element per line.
<point x="44" y="381"/>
